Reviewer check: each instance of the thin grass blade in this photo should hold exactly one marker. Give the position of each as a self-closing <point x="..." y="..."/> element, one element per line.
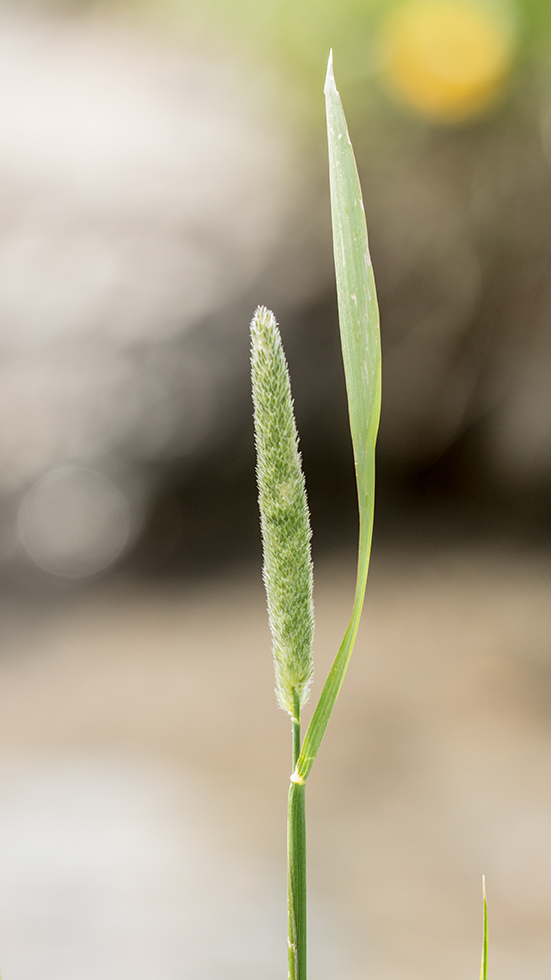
<point x="361" y="350"/>
<point x="484" y="966"/>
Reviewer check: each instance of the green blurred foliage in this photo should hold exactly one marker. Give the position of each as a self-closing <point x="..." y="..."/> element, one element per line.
<point x="287" y="42"/>
<point x="292" y="38"/>
<point x="295" y="36"/>
<point x="301" y="32"/>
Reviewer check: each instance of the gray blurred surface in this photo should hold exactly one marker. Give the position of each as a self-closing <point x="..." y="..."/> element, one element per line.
<point x="145" y="767"/>
<point x="148" y="191"/>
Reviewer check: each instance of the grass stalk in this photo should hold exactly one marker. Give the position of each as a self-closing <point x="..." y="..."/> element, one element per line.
<point x="296" y="865"/>
<point x="296" y="882"/>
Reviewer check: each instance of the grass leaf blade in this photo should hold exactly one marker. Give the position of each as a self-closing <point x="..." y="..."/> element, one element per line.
<point x="361" y="349"/>
<point x="484" y="966"/>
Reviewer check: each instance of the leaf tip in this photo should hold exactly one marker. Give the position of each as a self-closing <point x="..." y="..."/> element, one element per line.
<point x="330" y="77"/>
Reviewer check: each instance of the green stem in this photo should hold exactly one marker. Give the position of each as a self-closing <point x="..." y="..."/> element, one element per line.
<point x="296" y="862"/>
<point x="296" y="727"/>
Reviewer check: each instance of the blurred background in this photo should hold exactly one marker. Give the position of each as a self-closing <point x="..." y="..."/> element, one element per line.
<point x="162" y="171"/>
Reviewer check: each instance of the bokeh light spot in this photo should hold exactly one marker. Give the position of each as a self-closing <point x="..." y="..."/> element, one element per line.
<point x="74" y="522"/>
<point x="446" y="59"/>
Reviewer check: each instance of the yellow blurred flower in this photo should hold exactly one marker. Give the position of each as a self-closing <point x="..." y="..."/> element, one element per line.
<point x="446" y="59"/>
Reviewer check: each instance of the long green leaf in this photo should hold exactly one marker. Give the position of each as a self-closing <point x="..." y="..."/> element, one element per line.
<point x="361" y="350"/>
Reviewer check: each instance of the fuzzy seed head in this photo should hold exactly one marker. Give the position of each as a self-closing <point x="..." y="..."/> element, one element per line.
<point x="284" y="517"/>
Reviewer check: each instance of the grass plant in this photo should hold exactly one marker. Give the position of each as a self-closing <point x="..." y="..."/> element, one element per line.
<point x="284" y="517"/>
<point x="282" y="496"/>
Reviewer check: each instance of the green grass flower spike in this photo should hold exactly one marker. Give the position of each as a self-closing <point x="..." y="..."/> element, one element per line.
<point x="285" y="520"/>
